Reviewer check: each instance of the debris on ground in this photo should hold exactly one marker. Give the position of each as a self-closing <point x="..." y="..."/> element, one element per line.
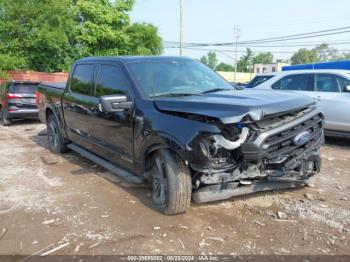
<point x="50" y="160"/>
<point x="281" y="215"/>
<point x="3" y="233"/>
<point x="54" y="249"/>
<point x="182" y="245"/>
<point x="48" y="222"/>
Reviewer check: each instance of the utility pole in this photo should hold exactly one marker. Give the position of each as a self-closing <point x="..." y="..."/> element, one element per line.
<point x="236" y="33"/>
<point x="181" y="27"/>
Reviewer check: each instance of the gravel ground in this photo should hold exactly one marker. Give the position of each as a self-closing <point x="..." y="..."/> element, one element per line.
<point x="66" y="202"/>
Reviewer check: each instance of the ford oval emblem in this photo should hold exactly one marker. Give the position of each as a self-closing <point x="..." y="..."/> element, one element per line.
<point x="301" y="138"/>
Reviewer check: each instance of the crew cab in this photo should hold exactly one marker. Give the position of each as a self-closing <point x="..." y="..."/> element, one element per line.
<point x="175" y="123"/>
<point x="17" y="101"/>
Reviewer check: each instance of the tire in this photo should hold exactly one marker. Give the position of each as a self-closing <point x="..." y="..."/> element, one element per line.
<point x="55" y="139"/>
<point x="4" y="120"/>
<point x="171" y="183"/>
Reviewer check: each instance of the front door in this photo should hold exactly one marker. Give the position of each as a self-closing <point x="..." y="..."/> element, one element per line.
<point x="334" y="101"/>
<point x="112" y="133"/>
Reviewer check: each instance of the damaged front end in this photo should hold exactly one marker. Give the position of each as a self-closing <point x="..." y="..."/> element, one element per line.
<point x="280" y="151"/>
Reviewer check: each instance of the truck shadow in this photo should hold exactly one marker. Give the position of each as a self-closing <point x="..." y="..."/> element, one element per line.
<point x="338" y="142"/>
<point x="24" y="122"/>
<point x="87" y="167"/>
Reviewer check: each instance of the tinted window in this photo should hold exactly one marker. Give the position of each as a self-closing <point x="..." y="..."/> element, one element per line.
<point x="111" y="80"/>
<point x="176" y="77"/>
<point x="330" y="83"/>
<point x="82" y="79"/>
<point x="23" y="88"/>
<point x="300" y="82"/>
<point x="258" y="80"/>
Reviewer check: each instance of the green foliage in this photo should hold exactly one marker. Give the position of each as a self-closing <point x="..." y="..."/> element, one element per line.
<point x="304" y="56"/>
<point x="263" y="58"/>
<point x="224" y="67"/>
<point x="246" y="61"/>
<point x="48" y="35"/>
<point x="320" y="53"/>
<point x="210" y="60"/>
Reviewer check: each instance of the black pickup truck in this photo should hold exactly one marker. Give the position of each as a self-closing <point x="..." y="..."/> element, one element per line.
<point x="175" y="123"/>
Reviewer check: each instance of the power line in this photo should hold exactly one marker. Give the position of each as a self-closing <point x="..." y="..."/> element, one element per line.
<point x="241" y="51"/>
<point x="334" y="31"/>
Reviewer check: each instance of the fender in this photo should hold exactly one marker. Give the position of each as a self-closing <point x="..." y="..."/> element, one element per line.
<point x="57" y="112"/>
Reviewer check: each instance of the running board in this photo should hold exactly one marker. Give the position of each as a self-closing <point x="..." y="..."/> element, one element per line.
<point x="107" y="165"/>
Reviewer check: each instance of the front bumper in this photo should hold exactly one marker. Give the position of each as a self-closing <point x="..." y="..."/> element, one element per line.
<point x="225" y="191"/>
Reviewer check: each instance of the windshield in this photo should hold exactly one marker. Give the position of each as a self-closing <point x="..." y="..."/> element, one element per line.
<point x="23" y="88"/>
<point x="258" y="80"/>
<point x="176" y="77"/>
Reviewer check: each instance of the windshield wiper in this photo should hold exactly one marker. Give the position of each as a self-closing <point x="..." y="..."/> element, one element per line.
<point x="214" y="90"/>
<point x="175" y="94"/>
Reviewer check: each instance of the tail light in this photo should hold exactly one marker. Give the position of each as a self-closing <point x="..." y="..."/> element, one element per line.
<point x="13" y="96"/>
<point x="37" y="98"/>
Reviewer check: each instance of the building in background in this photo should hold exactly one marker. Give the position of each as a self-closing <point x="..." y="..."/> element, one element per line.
<point x="240" y="78"/>
<point x="268" y="68"/>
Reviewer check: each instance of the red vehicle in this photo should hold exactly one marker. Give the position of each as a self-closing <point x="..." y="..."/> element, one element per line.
<point x="17" y="101"/>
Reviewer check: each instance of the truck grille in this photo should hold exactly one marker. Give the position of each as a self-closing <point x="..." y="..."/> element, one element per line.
<point x="282" y="143"/>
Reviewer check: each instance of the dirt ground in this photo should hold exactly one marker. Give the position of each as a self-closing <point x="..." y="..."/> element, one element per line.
<point x="49" y="201"/>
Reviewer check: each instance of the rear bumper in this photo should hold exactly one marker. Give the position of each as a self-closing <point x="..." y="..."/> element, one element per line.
<point x="23" y="113"/>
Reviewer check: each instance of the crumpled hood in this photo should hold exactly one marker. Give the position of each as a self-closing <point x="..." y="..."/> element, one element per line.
<point x="233" y="105"/>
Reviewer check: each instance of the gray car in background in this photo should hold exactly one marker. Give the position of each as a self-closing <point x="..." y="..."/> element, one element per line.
<point x="331" y="89"/>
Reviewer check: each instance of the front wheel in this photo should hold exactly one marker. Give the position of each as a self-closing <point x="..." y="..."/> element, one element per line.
<point x="171" y="183"/>
<point x="56" y="141"/>
<point x="4" y="120"/>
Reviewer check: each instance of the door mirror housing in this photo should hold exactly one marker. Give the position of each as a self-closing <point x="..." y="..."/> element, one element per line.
<point x="114" y="103"/>
<point x="347" y="88"/>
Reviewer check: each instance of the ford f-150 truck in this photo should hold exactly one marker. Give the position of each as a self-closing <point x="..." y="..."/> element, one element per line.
<point x="175" y="123"/>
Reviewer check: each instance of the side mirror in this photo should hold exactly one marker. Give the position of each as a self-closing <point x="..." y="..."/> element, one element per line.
<point x="347" y="88"/>
<point x="114" y="103"/>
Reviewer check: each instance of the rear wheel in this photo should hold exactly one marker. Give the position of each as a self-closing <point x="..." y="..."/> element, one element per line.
<point x="171" y="183"/>
<point x="56" y="141"/>
<point x="4" y="120"/>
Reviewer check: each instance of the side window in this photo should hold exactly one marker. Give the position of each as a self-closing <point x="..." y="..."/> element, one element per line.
<point x="82" y="79"/>
<point x="342" y="82"/>
<point x="299" y="82"/>
<point x="327" y="83"/>
<point x="111" y="80"/>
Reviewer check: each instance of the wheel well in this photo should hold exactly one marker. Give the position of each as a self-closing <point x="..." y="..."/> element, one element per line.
<point x="150" y="153"/>
<point x="49" y="112"/>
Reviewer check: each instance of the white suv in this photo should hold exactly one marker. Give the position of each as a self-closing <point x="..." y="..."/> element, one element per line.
<point x="331" y="89"/>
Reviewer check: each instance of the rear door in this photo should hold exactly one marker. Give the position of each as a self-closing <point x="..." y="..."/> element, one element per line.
<point x="21" y="96"/>
<point x="333" y="100"/>
<point x="112" y="133"/>
<point x="77" y="100"/>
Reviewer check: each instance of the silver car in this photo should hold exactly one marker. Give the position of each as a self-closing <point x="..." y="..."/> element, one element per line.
<point x="331" y="89"/>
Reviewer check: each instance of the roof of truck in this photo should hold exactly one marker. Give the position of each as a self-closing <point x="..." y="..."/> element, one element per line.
<point x="132" y="58"/>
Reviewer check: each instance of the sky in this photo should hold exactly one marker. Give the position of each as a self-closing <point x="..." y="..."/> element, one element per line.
<point x="214" y="22"/>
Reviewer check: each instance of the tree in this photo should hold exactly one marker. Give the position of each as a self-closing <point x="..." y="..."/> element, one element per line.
<point x="245" y="61"/>
<point x="224" y="67"/>
<point x="326" y="53"/>
<point x="304" y="56"/>
<point x="210" y="60"/>
<point x="48" y="35"/>
<point x="263" y="58"/>
<point x="41" y="33"/>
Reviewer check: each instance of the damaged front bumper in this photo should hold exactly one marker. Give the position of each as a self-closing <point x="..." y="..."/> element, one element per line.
<point x="272" y="160"/>
<point x="228" y="190"/>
